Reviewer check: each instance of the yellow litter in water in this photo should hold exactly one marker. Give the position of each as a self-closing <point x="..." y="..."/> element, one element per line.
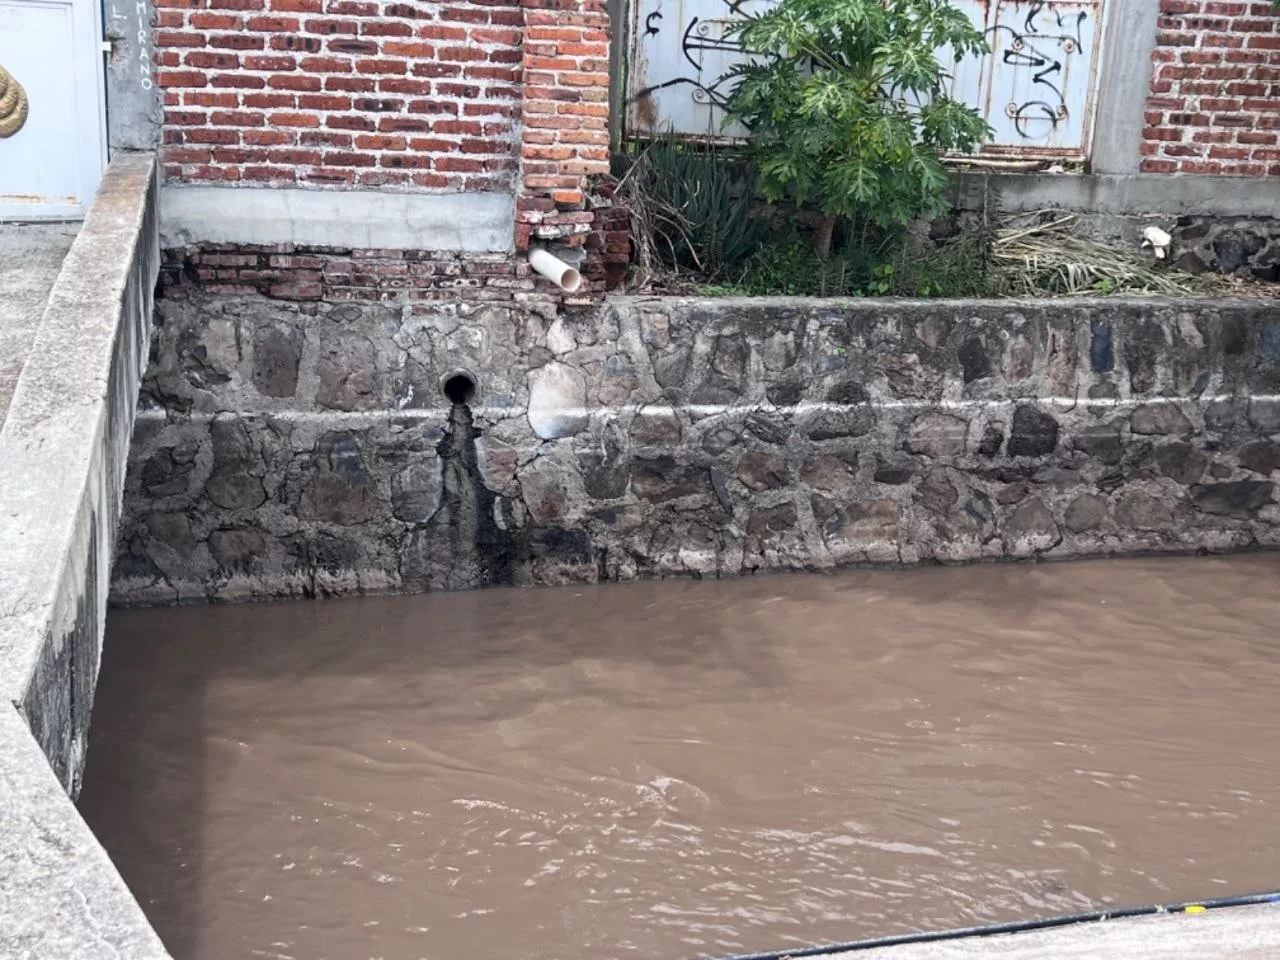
<point x="1194" y="908"/>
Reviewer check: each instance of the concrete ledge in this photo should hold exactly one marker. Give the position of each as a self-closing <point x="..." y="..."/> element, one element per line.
<point x="466" y="222"/>
<point x="63" y="450"/>
<point x="1121" y="194"/>
<point x="60" y="895"/>
<point x="1227" y="933"/>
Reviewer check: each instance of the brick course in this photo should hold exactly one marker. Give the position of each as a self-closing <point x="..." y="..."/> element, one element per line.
<point x="378" y="94"/>
<point x="332" y="274"/>
<point x="1215" y="92"/>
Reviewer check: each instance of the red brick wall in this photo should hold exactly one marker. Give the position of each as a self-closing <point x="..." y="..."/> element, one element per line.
<point x="379" y="94"/>
<point x="1215" y="92"/>
<point x="409" y="95"/>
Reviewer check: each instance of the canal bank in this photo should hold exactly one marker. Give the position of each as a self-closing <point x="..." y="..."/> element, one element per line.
<point x="800" y="434"/>
<point x="290" y="448"/>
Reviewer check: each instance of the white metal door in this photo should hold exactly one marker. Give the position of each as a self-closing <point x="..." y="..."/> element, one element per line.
<point x="1036" y="88"/>
<point x="50" y="168"/>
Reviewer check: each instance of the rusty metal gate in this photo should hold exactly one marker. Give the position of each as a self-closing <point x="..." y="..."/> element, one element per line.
<point x="1036" y="88"/>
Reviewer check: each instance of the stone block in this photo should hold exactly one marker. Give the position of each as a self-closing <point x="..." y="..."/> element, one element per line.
<point x="1155" y="419"/>
<point x="937" y="435"/>
<point x="1034" y="432"/>
<point x="762" y="471"/>
<point x="557" y="401"/>
<point x="1031" y="529"/>
<point x="1242" y="498"/>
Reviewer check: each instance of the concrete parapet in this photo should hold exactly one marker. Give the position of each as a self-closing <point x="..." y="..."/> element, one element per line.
<point x="60" y="895"/>
<point x="63" y="449"/>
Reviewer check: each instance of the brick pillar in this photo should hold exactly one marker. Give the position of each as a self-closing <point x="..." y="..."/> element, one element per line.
<point x="565" y="134"/>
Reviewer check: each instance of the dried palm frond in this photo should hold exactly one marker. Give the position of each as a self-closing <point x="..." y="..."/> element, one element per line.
<point x="1050" y="259"/>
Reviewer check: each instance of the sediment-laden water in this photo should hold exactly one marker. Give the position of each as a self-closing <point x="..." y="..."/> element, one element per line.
<point x="687" y="769"/>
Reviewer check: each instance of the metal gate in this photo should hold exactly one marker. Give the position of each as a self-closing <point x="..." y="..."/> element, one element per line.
<point x="51" y="51"/>
<point x="1037" y="87"/>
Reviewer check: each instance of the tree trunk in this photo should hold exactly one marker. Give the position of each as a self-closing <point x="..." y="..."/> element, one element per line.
<point x="822" y="236"/>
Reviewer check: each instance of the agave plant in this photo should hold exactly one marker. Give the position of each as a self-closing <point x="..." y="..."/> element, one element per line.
<point x="689" y="206"/>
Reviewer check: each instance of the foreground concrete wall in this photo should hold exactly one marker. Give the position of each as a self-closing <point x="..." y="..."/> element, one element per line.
<point x="63" y="449"/>
<point x="60" y="896"/>
<point x="1233" y="933"/>
<point x="300" y="449"/>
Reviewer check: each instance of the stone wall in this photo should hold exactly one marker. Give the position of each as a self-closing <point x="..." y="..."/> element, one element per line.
<point x="1247" y="247"/>
<point x="299" y="449"/>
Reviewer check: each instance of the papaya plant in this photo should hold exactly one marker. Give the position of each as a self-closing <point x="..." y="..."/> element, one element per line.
<point x="848" y="105"/>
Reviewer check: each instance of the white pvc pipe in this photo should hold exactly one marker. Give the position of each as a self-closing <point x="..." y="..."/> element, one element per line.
<point x="556" y="270"/>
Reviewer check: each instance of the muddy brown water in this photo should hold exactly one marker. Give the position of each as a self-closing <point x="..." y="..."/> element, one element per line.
<point x="688" y="769"/>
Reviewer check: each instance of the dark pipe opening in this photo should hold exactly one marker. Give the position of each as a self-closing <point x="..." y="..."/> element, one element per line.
<point x="459" y="388"/>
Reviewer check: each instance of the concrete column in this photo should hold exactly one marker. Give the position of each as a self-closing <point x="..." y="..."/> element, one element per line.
<point x="1124" y="82"/>
<point x="133" y="96"/>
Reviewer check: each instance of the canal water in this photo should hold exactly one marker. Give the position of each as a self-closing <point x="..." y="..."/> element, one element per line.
<point x="690" y="769"/>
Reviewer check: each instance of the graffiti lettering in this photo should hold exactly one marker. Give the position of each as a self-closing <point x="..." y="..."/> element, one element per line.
<point x="142" y="37"/>
<point x="700" y="36"/>
<point x="1046" y="52"/>
<point x="144" y="43"/>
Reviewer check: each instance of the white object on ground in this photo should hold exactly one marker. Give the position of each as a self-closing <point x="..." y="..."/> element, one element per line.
<point x="1157" y="240"/>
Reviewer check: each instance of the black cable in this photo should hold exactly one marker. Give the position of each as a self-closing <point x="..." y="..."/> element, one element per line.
<point x="1017" y="926"/>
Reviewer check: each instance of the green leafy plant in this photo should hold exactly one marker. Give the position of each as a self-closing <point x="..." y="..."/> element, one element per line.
<point x="849" y="108"/>
<point x="881" y="280"/>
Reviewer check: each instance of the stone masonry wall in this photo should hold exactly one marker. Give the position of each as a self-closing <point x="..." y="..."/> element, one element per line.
<point x="301" y="449"/>
<point x="1213" y="106"/>
<point x="1244" y="246"/>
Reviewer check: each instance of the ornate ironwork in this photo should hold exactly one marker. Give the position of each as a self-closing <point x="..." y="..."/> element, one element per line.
<point x="13" y="105"/>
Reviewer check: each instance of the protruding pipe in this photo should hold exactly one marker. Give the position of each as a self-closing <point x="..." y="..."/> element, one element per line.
<point x="556" y="270"/>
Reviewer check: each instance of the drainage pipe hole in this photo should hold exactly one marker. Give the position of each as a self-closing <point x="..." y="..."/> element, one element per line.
<point x="459" y="387"/>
